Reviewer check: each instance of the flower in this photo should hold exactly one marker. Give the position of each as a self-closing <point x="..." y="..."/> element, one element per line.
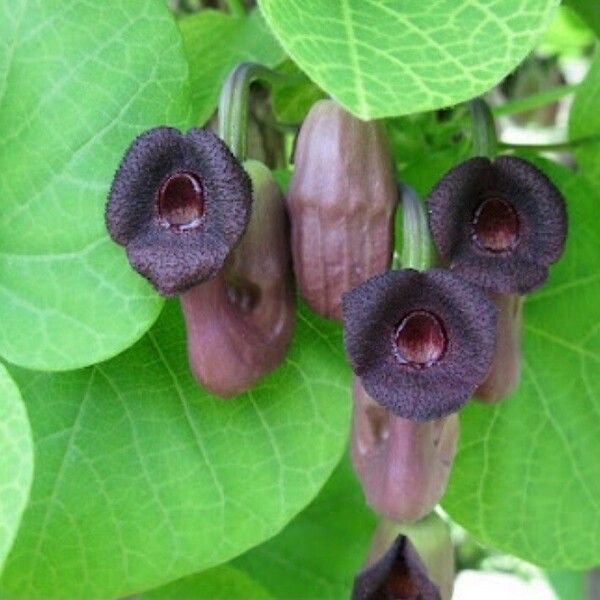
<point x="179" y="204"/>
<point x="399" y="573"/>
<point x="498" y="224"/>
<point x="421" y="342"/>
<point x="403" y="466"/>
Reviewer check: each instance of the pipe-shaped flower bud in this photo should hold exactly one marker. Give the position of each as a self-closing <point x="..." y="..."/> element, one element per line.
<point x="341" y="202"/>
<point x="403" y="465"/>
<point x="240" y="324"/>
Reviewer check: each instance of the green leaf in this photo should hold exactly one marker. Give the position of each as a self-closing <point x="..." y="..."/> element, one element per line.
<point x="221" y="583"/>
<point x="568" y="585"/>
<point x="382" y="58"/>
<point x="589" y="10"/>
<point x="78" y="81"/>
<point x="215" y="43"/>
<point x="585" y="122"/>
<point x="16" y="461"/>
<point x="319" y="553"/>
<point x="527" y="476"/>
<point x="143" y="478"/>
<point x="568" y="35"/>
<point x="291" y="103"/>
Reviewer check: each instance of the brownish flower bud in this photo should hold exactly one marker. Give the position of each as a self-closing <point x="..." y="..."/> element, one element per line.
<point x="398" y="575"/>
<point x="240" y="324"/>
<point x="403" y="465"/>
<point x="431" y="539"/>
<point x="505" y="371"/>
<point x="341" y="202"/>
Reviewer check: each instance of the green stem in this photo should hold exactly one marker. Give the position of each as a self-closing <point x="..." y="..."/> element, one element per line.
<point x="234" y="106"/>
<point x="485" y="142"/>
<point x="534" y="101"/>
<point x="557" y="147"/>
<point x="417" y="249"/>
<point x="236" y="8"/>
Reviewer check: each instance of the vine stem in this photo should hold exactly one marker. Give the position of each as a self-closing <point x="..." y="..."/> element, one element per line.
<point x="485" y="141"/>
<point x="417" y="249"/>
<point x="534" y="101"/>
<point x="236" y="8"/>
<point x="234" y="106"/>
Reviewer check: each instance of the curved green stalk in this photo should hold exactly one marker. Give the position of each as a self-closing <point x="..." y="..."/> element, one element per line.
<point x="417" y="248"/>
<point x="485" y="141"/>
<point x="233" y="103"/>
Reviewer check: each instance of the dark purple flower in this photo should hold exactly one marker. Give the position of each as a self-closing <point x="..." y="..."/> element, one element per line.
<point x="498" y="224"/>
<point x="179" y="204"/>
<point x="421" y="342"/>
<point x="398" y="575"/>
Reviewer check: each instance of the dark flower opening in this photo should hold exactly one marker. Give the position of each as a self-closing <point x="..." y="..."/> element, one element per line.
<point x="420" y="339"/>
<point x="398" y="575"/>
<point x="179" y="203"/>
<point x="421" y="343"/>
<point x="498" y="224"/>
<point x="495" y="225"/>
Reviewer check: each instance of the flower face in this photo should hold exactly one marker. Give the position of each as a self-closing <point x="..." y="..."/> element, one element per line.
<point x="179" y="204"/>
<point x="421" y="342"/>
<point x="498" y="224"/>
<point x="398" y="574"/>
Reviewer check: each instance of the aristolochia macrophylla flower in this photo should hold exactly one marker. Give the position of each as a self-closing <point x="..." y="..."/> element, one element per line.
<point x="498" y="224"/>
<point x="341" y="202"/>
<point x="421" y="342"/>
<point x="240" y="323"/>
<point x="179" y="204"/>
<point x="398" y="575"/>
<point x="403" y="466"/>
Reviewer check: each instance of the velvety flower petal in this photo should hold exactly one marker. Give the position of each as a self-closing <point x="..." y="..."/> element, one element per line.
<point x="449" y="348"/>
<point x="498" y="224"/>
<point x="179" y="204"/>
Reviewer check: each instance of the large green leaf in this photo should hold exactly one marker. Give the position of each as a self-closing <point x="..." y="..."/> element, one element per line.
<point x="78" y="81"/>
<point x="215" y="43"/>
<point x="143" y="478"/>
<point x="318" y="554"/>
<point x="16" y="461"/>
<point x="221" y="583"/>
<point x="585" y="122"/>
<point x="589" y="10"/>
<point x="382" y="58"/>
<point x="527" y="476"/>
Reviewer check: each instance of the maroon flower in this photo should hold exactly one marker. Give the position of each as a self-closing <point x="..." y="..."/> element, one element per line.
<point x="179" y="204"/>
<point x="498" y="224"/>
<point x="398" y="575"/>
<point x="421" y="342"/>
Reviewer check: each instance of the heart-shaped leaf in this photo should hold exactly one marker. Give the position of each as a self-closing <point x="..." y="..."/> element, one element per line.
<point x="527" y="476"/>
<point x="381" y="58"/>
<point x="16" y="461"/>
<point x="584" y="123"/>
<point x="221" y="583"/>
<point x="143" y="478"/>
<point x="78" y="81"/>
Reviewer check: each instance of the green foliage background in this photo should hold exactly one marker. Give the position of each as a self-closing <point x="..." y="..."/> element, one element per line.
<point x="142" y="478"/>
